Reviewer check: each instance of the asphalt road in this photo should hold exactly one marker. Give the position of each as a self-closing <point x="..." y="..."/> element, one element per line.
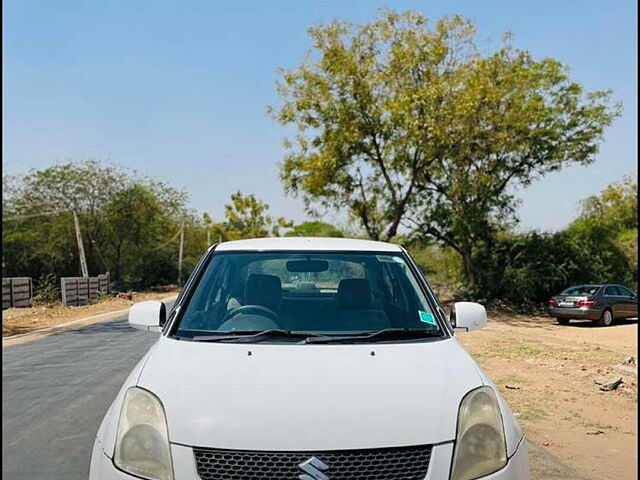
<point x="56" y="391"/>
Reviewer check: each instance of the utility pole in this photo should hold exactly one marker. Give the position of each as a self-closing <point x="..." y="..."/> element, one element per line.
<point x="180" y="254"/>
<point x="83" y="260"/>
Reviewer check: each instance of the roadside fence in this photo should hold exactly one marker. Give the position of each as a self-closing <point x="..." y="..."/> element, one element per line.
<point x="80" y="290"/>
<point x="16" y="292"/>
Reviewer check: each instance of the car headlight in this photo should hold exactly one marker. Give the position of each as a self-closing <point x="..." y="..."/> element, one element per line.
<point x="480" y="442"/>
<point x="142" y="443"/>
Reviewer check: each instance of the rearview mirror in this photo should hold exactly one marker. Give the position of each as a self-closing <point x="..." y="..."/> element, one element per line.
<point x="468" y="316"/>
<point x="149" y="316"/>
<point x="307" y="266"/>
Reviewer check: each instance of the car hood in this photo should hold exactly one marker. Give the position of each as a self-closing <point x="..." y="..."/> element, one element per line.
<point x="309" y="397"/>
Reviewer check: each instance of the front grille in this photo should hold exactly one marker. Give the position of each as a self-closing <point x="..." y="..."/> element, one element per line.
<point x="402" y="463"/>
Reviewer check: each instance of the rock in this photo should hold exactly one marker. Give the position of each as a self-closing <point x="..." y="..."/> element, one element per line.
<point x="630" y="360"/>
<point x="595" y="432"/>
<point x="628" y="370"/>
<point x="512" y="387"/>
<point x="608" y="383"/>
<point x="125" y="296"/>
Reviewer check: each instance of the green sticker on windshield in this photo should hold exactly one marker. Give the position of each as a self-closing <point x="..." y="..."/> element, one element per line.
<point x="427" y="317"/>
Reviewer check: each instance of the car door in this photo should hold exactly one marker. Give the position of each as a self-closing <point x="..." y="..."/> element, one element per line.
<point x="613" y="298"/>
<point x="630" y="300"/>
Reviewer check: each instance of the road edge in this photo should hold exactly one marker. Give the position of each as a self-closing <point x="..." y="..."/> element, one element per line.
<point x="70" y="325"/>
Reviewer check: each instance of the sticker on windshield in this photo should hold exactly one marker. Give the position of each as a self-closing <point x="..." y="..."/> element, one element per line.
<point x="427" y="317"/>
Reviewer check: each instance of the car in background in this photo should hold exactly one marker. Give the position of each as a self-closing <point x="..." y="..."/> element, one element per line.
<point x="599" y="303"/>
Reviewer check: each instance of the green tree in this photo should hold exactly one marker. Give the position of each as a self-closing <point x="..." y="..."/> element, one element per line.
<point x="614" y="213"/>
<point x="599" y="246"/>
<point x="616" y="207"/>
<point x="134" y="218"/>
<point x="128" y="221"/>
<point x="314" y="229"/>
<point x="404" y="124"/>
<point x="247" y="217"/>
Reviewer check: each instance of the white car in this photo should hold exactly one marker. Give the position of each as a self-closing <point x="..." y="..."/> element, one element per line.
<point x="308" y="359"/>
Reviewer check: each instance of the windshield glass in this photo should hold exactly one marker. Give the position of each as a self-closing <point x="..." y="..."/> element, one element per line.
<point x="581" y="290"/>
<point x="318" y="293"/>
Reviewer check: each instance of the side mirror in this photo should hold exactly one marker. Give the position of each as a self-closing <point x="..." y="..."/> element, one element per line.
<point x="149" y="316"/>
<point x="468" y="316"/>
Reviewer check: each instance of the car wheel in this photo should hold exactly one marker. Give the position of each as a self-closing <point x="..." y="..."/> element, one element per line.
<point x="606" y="318"/>
<point x="563" y="321"/>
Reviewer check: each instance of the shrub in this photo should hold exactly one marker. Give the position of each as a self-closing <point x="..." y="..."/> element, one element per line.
<point x="46" y="290"/>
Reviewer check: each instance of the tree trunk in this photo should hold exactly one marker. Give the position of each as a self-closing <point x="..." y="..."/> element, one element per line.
<point x="468" y="266"/>
<point x="117" y="274"/>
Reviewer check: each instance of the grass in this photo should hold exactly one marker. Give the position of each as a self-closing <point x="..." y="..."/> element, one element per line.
<point x="513" y="349"/>
<point x="533" y="414"/>
<point x="511" y="379"/>
<point x="578" y="419"/>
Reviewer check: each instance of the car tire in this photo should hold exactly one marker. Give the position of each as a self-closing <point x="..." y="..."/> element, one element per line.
<point x="563" y="321"/>
<point x="606" y="318"/>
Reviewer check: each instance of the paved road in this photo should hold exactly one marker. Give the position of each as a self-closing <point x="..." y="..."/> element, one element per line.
<point x="56" y="391"/>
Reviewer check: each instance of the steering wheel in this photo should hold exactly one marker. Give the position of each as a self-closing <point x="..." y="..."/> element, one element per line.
<point x="259" y="309"/>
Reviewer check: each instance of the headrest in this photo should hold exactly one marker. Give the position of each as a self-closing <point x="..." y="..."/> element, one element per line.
<point x="264" y="290"/>
<point x="354" y="293"/>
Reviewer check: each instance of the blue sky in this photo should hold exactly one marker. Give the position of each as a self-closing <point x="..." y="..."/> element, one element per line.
<point x="179" y="89"/>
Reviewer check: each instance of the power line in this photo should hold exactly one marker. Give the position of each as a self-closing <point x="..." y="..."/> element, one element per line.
<point x="167" y="242"/>
<point x="19" y="217"/>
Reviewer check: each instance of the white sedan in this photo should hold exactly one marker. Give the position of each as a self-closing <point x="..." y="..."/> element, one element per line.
<point x="308" y="359"/>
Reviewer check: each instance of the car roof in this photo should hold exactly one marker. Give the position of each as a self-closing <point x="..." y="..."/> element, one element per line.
<point x="308" y="244"/>
<point x="599" y="285"/>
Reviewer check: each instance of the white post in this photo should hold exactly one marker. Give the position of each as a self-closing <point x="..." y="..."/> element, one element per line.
<point x="180" y="254"/>
<point x="83" y="260"/>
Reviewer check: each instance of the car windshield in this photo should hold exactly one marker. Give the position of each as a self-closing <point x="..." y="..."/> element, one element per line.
<point x="581" y="290"/>
<point x="290" y="294"/>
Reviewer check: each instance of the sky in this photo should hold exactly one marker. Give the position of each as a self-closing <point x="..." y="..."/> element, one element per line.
<point x="179" y="89"/>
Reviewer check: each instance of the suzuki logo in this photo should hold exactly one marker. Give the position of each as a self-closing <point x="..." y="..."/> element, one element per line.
<point x="313" y="469"/>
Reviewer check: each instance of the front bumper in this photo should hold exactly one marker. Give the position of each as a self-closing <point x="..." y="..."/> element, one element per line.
<point x="577" y="313"/>
<point x="184" y="465"/>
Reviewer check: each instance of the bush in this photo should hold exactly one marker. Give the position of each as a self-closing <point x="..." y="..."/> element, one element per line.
<point x="525" y="270"/>
<point x="46" y="291"/>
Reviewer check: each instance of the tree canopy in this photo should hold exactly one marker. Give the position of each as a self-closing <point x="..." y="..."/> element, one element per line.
<point x="409" y="125"/>
<point x="126" y="220"/>
<point x="247" y="217"/>
<point x="314" y="229"/>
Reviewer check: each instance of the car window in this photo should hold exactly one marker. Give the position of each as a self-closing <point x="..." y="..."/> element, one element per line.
<point x="611" y="291"/>
<point x="581" y="290"/>
<point x="626" y="292"/>
<point x="316" y="292"/>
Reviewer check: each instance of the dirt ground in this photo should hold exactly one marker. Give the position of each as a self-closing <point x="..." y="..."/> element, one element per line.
<point x="546" y="373"/>
<point x="23" y="320"/>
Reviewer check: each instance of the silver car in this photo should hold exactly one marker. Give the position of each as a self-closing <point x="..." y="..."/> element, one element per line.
<point x="600" y="303"/>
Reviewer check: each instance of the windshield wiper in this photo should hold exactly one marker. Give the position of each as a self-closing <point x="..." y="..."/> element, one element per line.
<point x="386" y="333"/>
<point x="251" y="335"/>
